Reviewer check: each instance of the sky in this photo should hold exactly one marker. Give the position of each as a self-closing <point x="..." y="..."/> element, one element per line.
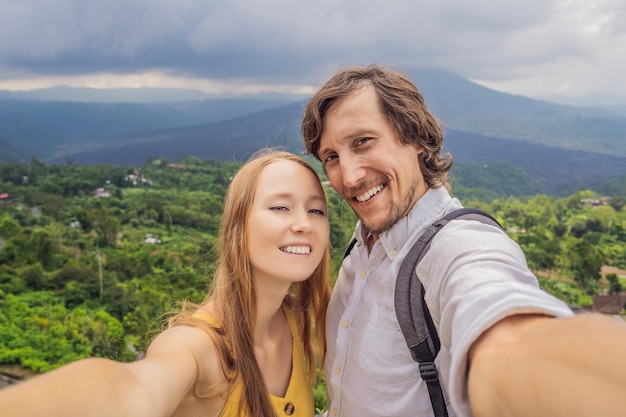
<point x="536" y="48"/>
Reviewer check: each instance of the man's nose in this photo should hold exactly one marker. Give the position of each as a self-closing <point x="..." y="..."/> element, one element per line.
<point x="352" y="171"/>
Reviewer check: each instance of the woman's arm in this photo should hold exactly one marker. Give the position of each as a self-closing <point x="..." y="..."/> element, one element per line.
<point x="539" y="366"/>
<point x="151" y="387"/>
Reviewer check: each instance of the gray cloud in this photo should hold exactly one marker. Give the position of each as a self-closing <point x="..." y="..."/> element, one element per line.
<point x="532" y="45"/>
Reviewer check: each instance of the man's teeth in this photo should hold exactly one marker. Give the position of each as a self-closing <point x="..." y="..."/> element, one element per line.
<point x="369" y="193"/>
<point x="301" y="250"/>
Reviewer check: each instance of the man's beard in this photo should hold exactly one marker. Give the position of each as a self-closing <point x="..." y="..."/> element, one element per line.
<point x="398" y="210"/>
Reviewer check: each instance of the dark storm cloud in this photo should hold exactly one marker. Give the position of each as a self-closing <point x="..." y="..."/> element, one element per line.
<point x="284" y="41"/>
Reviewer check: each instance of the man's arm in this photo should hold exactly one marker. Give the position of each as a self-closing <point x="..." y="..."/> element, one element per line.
<point x="531" y="365"/>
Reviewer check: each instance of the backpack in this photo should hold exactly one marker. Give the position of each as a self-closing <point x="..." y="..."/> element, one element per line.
<point x="412" y="312"/>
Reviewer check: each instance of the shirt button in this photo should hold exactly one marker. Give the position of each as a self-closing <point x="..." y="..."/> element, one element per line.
<point x="338" y="371"/>
<point x="345" y="324"/>
<point x="289" y="409"/>
<point x="335" y="412"/>
<point x="392" y="253"/>
<point x="362" y="275"/>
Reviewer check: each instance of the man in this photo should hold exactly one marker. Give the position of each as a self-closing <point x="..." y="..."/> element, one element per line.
<point x="507" y="347"/>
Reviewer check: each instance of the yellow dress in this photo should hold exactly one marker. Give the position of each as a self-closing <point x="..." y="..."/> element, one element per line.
<point x="298" y="400"/>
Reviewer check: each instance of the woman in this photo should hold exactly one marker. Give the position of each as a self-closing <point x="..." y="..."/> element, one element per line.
<point x="248" y="348"/>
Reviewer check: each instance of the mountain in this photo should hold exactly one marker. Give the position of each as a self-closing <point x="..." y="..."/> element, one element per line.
<point x="133" y="95"/>
<point x="228" y="140"/>
<point x="561" y="147"/>
<point x="467" y="106"/>
<point x="53" y="127"/>
<point x="613" y="102"/>
<point x="559" y="171"/>
<point x="106" y="95"/>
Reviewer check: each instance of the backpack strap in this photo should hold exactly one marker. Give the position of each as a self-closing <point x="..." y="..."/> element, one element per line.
<point x="412" y="312"/>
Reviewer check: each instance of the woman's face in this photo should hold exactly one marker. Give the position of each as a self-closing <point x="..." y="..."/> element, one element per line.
<point x="288" y="229"/>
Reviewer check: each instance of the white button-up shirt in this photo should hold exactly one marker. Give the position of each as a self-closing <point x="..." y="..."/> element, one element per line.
<point x="474" y="276"/>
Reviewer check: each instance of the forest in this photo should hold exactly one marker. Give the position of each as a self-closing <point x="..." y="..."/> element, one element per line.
<point x="93" y="259"/>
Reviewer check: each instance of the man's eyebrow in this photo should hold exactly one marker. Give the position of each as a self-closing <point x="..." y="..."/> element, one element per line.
<point x="364" y="132"/>
<point x="357" y="134"/>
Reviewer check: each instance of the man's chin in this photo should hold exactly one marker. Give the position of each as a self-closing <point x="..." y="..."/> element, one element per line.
<point x="381" y="222"/>
<point x="376" y="227"/>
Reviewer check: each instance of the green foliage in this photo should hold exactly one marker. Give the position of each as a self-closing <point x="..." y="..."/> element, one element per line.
<point x="586" y="263"/>
<point x="615" y="286"/>
<point x="33" y="276"/>
<point x="615" y="188"/>
<point x="39" y="333"/>
<point x="566" y="291"/>
<point x="319" y="396"/>
<point x="95" y="288"/>
<point x="488" y="181"/>
<point x="106" y="225"/>
<point x="9" y="227"/>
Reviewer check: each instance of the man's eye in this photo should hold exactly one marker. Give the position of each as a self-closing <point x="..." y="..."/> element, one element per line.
<point x="361" y="141"/>
<point x="329" y="159"/>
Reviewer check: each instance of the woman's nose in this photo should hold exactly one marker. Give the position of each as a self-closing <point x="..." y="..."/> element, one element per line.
<point x="302" y="223"/>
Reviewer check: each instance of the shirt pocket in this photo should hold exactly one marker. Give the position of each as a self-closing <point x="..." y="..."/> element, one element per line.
<point x="384" y="354"/>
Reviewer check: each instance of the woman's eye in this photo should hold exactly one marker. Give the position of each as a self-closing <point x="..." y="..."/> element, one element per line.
<point x="319" y="212"/>
<point x="278" y="208"/>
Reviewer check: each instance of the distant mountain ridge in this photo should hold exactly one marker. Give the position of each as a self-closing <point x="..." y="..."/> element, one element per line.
<point x="562" y="147"/>
<point x="106" y="95"/>
<point x="52" y="127"/>
<point x="234" y="139"/>
<point x="463" y="105"/>
<point x="133" y="95"/>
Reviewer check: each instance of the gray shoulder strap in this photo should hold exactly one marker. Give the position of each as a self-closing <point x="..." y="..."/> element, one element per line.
<point x="411" y="310"/>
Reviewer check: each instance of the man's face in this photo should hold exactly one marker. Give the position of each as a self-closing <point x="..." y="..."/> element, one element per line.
<point x="366" y="162"/>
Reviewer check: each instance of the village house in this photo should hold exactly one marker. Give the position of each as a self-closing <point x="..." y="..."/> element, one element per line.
<point x="5" y="198"/>
<point x="152" y="240"/>
<point x="101" y="193"/>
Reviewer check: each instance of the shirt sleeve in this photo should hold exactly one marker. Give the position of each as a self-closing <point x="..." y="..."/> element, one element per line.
<point x="474" y="276"/>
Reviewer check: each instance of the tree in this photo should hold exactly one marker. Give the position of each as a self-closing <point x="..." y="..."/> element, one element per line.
<point x="34" y="277"/>
<point x="617" y="202"/>
<point x="105" y="225"/>
<point x="85" y="221"/>
<point x="42" y="247"/>
<point x="586" y="263"/>
<point x="615" y="286"/>
<point x="9" y="227"/>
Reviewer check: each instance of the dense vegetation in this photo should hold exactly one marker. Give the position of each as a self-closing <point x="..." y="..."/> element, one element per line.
<point x="93" y="274"/>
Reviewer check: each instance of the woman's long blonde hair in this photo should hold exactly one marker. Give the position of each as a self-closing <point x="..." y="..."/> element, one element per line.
<point x="232" y="298"/>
